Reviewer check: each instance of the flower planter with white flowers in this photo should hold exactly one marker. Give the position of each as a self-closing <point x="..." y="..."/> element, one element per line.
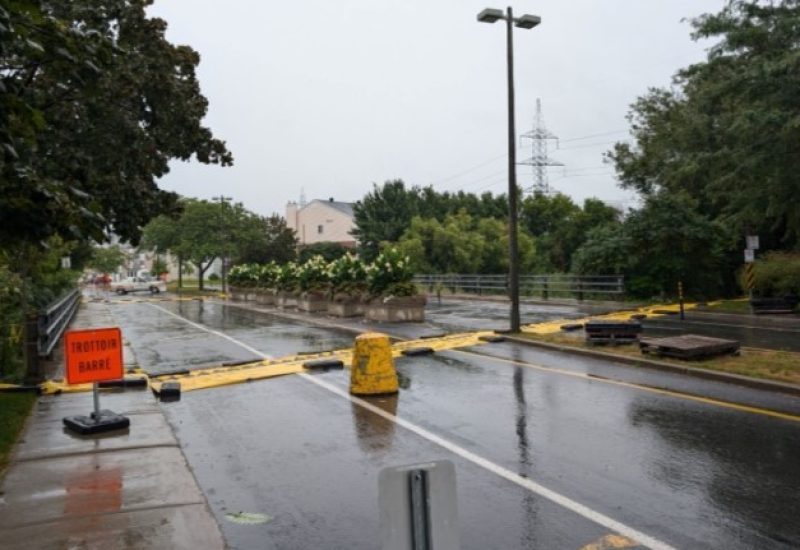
<point x="286" y="285"/>
<point x="394" y="296"/>
<point x="312" y="282"/>
<point x="348" y="284"/>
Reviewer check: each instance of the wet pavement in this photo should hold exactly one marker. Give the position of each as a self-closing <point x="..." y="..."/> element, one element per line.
<point x="689" y="474"/>
<point x="130" y="488"/>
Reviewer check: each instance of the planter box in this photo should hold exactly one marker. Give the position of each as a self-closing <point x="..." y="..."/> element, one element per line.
<point x="353" y="307"/>
<point x="265" y="297"/>
<point x="784" y="304"/>
<point x="397" y="309"/>
<point x="286" y="300"/>
<point x="312" y="302"/>
<point x="237" y="294"/>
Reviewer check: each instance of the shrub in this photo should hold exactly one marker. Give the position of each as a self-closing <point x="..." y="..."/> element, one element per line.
<point x="268" y="275"/>
<point x="213" y="277"/>
<point x="390" y="275"/>
<point x="313" y="276"/>
<point x="286" y="277"/>
<point x="244" y="275"/>
<point x="348" y="275"/>
<point x="778" y="274"/>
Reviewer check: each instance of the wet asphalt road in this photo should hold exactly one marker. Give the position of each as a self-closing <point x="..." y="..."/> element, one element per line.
<point x="690" y="474"/>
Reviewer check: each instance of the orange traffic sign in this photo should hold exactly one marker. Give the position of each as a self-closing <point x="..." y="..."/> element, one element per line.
<point x="93" y="355"/>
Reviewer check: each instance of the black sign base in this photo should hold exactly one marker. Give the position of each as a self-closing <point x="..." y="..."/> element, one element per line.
<point x="87" y="425"/>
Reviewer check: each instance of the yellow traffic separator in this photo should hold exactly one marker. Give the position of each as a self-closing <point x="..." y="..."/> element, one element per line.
<point x="550" y="327"/>
<point x="372" y="367"/>
<point x="216" y="376"/>
<point x="293" y="364"/>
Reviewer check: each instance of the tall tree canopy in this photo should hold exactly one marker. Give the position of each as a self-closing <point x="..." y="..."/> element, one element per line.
<point x="94" y="103"/>
<point x="385" y="213"/>
<point x="462" y="244"/>
<point x="726" y="134"/>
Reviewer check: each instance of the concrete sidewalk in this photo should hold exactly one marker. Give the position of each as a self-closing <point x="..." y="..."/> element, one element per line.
<point x="128" y="489"/>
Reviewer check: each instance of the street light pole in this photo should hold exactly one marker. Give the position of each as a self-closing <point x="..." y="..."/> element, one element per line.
<point x="524" y="22"/>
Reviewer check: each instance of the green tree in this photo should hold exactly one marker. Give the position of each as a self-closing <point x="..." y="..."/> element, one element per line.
<point x="382" y="216"/>
<point x="664" y="242"/>
<point x="95" y="103"/>
<point x="461" y="244"/>
<point x="205" y="231"/>
<point x="264" y="239"/>
<point x="561" y="226"/>
<point x="385" y="213"/>
<point x="106" y="259"/>
<point x="726" y="134"/>
<point x="329" y="251"/>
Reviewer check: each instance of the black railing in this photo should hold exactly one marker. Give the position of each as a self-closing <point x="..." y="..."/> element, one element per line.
<point x="579" y="287"/>
<point x="54" y="319"/>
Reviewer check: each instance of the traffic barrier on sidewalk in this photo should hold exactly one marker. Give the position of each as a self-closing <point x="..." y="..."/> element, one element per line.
<point x="373" y="371"/>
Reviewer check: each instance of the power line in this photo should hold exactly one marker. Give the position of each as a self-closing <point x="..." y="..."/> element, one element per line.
<point x="594" y="136"/>
<point x="504" y="155"/>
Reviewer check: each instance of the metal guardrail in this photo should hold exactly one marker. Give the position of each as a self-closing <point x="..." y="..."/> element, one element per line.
<point x="54" y="319"/>
<point x="546" y="286"/>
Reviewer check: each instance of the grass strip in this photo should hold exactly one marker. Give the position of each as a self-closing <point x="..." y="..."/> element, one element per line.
<point x="14" y="409"/>
<point x="782" y="366"/>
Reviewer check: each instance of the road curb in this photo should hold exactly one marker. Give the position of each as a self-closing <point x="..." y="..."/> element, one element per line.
<point x="706" y="374"/>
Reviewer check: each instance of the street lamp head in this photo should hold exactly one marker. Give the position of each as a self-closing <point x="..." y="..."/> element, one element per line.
<point x="490" y="15"/>
<point x="527" y="21"/>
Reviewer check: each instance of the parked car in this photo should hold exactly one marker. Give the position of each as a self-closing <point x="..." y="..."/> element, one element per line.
<point x="139" y="284"/>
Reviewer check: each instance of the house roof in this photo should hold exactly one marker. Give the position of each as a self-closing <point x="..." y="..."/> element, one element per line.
<point x="343" y="207"/>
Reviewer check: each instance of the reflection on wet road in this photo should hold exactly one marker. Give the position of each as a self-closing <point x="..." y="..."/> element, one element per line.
<point x="689" y="474"/>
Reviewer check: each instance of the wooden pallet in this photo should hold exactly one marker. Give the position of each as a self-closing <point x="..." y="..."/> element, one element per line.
<point x="688" y="346"/>
<point x="612" y="332"/>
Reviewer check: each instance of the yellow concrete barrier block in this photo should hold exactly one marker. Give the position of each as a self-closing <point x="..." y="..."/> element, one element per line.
<point x="373" y="370"/>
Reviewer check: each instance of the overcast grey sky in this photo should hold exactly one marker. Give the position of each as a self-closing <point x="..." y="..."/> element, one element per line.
<point x="333" y="96"/>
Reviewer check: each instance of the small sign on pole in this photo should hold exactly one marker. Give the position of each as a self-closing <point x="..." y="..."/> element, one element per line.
<point x="92" y="356"/>
<point x="749" y="255"/>
<point x="752" y="242"/>
<point x="66" y="262"/>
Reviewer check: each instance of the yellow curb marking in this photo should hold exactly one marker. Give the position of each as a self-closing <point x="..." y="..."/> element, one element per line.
<point x="610" y="542"/>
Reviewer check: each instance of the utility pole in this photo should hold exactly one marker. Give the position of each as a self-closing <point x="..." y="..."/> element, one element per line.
<point x="540" y="160"/>
<point x="223" y="201"/>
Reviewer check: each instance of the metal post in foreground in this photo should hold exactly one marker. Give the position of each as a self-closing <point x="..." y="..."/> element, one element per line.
<point x="524" y="22"/>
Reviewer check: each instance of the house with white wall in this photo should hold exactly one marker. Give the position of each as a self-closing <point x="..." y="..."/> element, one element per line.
<point x="322" y="221"/>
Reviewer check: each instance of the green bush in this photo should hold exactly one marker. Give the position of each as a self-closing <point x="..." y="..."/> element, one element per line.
<point x="268" y="275"/>
<point x="213" y="277"/>
<point x="778" y="274"/>
<point x="286" y="278"/>
<point x="348" y="275"/>
<point x="390" y="275"/>
<point x="313" y="275"/>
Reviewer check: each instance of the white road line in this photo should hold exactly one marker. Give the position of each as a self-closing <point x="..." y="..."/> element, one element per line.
<point x="212" y="331"/>
<point x="558" y="498"/>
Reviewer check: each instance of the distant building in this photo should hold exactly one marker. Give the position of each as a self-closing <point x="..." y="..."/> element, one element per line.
<point x="322" y="221"/>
